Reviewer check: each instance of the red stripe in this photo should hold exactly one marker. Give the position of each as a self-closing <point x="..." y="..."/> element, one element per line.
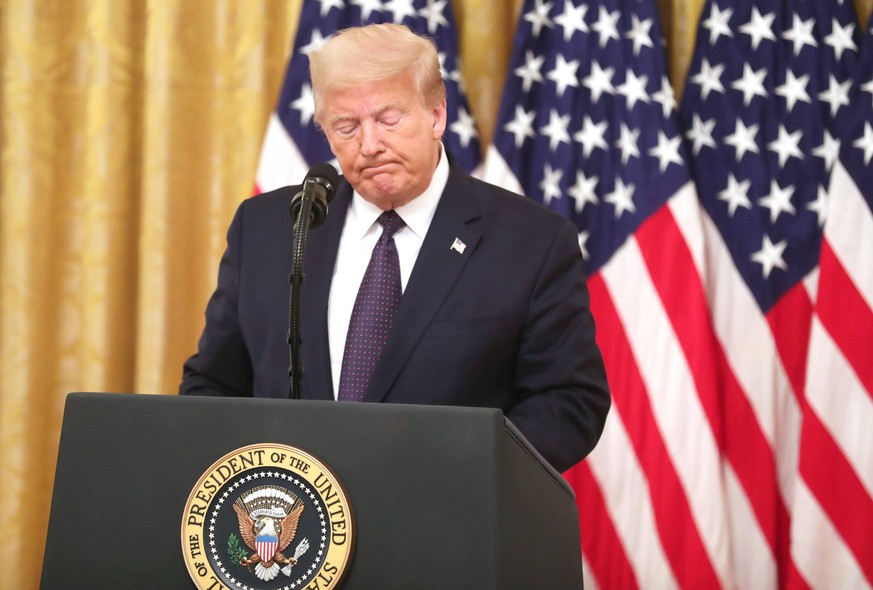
<point x="846" y="316"/>
<point x="742" y="441"/>
<point x="795" y="580"/>
<point x="676" y="527"/>
<point x="600" y="541"/>
<point x="838" y="489"/>
<point x="790" y="322"/>
<point x="675" y="278"/>
<point x="829" y="474"/>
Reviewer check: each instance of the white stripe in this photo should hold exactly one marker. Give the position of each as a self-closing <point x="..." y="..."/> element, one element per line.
<point x="681" y="420"/>
<point x="739" y="325"/>
<point x="626" y="495"/>
<point x="281" y="163"/>
<point x="752" y="558"/>
<point x="849" y="231"/>
<point x="817" y="549"/>
<point x="496" y="171"/>
<point x="841" y="401"/>
<point x="588" y="579"/>
<point x="689" y="217"/>
<point x="751" y="353"/>
<point x="754" y="564"/>
<point x="810" y="284"/>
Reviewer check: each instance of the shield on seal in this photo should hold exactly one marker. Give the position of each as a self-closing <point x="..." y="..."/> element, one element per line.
<point x="266" y="546"/>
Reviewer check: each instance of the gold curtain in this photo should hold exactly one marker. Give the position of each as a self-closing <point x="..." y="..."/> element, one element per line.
<point x="129" y="131"/>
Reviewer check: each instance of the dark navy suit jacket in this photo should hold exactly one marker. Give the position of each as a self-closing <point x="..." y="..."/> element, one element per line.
<point x="503" y="324"/>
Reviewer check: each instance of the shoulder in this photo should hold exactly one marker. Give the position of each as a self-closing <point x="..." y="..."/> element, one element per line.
<point x="495" y="200"/>
<point x="270" y="202"/>
<point x="502" y="206"/>
<point x="262" y="215"/>
<point x="266" y="209"/>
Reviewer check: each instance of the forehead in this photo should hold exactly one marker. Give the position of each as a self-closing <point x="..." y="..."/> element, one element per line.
<point x="370" y="98"/>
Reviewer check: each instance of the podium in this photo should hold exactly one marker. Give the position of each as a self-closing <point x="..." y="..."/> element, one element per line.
<point x="442" y="497"/>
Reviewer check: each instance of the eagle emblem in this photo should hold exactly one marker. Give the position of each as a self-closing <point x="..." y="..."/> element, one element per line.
<point x="268" y="517"/>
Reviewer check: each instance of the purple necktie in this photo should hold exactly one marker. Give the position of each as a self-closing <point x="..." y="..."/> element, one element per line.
<point x="378" y="298"/>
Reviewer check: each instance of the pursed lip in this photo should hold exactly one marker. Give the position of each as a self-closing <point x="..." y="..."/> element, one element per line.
<point x="373" y="169"/>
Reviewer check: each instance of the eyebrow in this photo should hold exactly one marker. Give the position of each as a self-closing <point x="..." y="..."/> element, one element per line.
<point x="335" y="121"/>
<point x="339" y="119"/>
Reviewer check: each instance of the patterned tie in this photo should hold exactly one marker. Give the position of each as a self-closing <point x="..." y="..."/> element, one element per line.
<point x="378" y="298"/>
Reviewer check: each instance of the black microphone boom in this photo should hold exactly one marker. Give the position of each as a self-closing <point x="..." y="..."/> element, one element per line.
<point x="308" y="209"/>
<point x="319" y="187"/>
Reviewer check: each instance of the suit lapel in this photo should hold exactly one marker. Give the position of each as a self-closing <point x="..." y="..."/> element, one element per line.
<point x="433" y="277"/>
<point x="320" y="258"/>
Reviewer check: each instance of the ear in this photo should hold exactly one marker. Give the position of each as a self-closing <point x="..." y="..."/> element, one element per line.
<point x="439" y="119"/>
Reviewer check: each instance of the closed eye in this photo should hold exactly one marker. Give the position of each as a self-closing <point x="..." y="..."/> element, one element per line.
<point x="391" y="120"/>
<point x="345" y="128"/>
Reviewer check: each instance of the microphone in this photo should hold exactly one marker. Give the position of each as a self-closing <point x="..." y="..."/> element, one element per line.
<point x="319" y="187"/>
<point x="310" y="205"/>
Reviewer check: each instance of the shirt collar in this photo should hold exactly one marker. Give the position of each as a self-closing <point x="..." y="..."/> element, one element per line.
<point x="417" y="213"/>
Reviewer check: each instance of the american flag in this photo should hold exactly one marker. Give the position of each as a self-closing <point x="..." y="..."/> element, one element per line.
<point x="292" y="142"/>
<point x="588" y="127"/>
<point x="832" y="515"/>
<point x="701" y="302"/>
<point x="767" y="82"/>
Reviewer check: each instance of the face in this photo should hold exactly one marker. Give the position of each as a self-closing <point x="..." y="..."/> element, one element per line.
<point x="385" y="139"/>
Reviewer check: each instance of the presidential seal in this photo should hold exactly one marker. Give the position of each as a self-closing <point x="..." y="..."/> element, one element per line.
<point x="267" y="517"/>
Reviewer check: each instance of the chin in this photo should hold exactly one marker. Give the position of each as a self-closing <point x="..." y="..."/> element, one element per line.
<point x="382" y="193"/>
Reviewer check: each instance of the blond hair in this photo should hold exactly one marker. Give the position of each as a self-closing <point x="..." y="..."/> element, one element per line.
<point x="373" y="53"/>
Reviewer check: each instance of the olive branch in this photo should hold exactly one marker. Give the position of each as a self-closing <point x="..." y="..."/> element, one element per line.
<point x="237" y="553"/>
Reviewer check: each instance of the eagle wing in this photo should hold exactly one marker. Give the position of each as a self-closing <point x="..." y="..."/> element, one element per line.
<point x="289" y="525"/>
<point x="246" y="526"/>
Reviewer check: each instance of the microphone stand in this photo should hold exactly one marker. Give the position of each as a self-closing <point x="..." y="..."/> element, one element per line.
<point x="301" y="229"/>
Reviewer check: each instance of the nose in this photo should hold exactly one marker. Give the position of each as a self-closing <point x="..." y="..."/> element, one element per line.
<point x="371" y="139"/>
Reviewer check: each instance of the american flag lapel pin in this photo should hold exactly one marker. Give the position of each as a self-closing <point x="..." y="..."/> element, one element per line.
<point x="458" y="246"/>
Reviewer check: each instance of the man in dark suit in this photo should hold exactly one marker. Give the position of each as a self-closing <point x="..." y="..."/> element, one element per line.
<point x="494" y="308"/>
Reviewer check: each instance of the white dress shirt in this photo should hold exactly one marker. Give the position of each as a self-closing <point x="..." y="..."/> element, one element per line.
<point x="360" y="234"/>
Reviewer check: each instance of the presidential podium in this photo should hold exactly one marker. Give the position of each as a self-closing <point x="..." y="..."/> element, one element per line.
<point x="441" y="497"/>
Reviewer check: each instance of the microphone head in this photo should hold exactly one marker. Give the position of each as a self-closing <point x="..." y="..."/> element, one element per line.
<point x="325" y="175"/>
<point x="320" y="185"/>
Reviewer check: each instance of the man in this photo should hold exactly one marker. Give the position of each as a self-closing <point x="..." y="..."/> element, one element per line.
<point x="494" y="308"/>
